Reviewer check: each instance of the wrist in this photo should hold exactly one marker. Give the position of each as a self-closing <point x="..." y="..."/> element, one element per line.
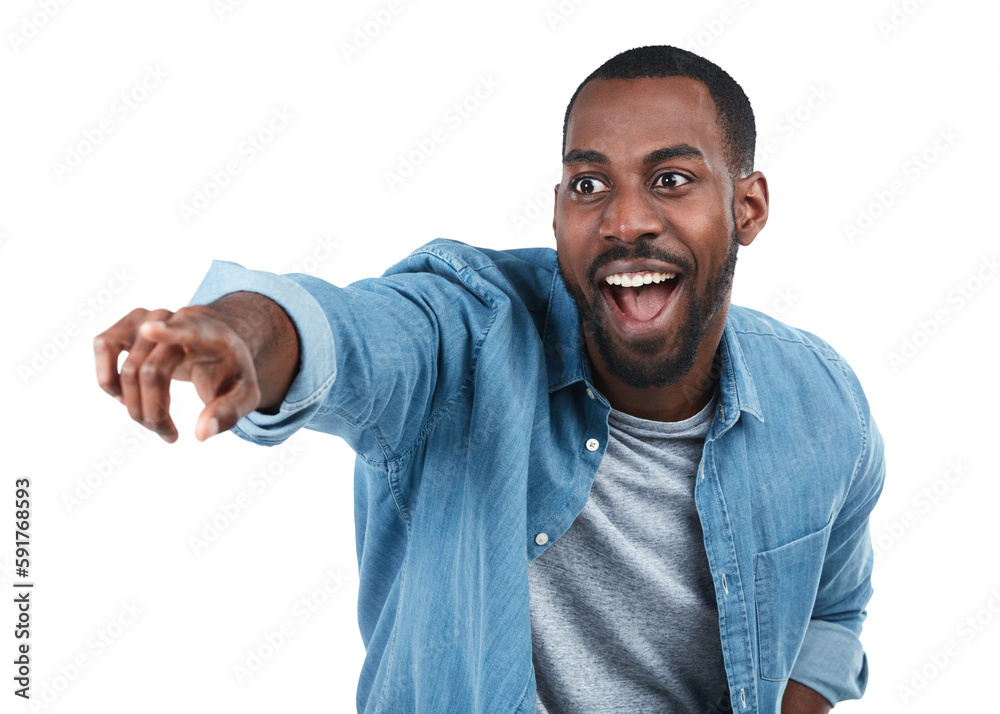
<point x="269" y="336"/>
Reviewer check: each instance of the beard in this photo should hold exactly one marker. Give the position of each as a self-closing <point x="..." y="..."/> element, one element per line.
<point x="638" y="362"/>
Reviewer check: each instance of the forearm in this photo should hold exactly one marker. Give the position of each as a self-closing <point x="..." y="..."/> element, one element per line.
<point x="271" y="337"/>
<point x="800" y="699"/>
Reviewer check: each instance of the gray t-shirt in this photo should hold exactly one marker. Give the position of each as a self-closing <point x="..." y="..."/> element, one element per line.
<point x="623" y="610"/>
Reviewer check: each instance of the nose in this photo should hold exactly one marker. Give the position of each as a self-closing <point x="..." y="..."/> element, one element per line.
<point x="630" y="214"/>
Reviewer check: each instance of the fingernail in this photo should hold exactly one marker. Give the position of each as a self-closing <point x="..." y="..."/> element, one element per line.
<point x="119" y="398"/>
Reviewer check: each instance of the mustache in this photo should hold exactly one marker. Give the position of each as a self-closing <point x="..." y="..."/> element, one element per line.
<point x="640" y="250"/>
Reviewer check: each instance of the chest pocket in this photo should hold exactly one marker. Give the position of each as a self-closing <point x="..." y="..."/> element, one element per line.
<point x="785" y="583"/>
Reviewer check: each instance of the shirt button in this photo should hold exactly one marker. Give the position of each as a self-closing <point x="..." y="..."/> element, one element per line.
<point x="541" y="539"/>
<point x="592" y="444"/>
<point x="590" y="393"/>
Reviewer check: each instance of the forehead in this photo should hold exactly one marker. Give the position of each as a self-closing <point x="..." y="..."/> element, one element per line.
<point x="626" y="118"/>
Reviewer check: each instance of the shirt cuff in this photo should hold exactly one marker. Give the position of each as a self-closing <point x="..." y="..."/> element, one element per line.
<point x="317" y="353"/>
<point x="832" y="662"/>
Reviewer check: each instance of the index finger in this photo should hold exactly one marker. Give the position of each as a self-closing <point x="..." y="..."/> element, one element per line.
<point x="186" y="328"/>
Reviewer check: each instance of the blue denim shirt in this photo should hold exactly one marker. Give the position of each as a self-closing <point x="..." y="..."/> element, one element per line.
<point x="460" y="380"/>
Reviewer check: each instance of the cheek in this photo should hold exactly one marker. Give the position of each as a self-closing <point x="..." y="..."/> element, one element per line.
<point x="699" y="219"/>
<point x="704" y="233"/>
<point x="568" y="220"/>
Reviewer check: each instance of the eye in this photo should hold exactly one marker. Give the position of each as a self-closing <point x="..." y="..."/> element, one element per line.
<point x="671" y="179"/>
<point x="587" y="185"/>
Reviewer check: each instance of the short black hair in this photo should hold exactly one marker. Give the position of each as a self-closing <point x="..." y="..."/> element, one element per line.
<point x="735" y="115"/>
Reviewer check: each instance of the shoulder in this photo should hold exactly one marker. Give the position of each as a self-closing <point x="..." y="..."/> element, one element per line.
<point x="811" y="400"/>
<point x="794" y="363"/>
<point x="756" y="328"/>
<point x="524" y="274"/>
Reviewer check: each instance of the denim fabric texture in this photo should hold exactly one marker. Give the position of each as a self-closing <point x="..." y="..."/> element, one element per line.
<point x="460" y="379"/>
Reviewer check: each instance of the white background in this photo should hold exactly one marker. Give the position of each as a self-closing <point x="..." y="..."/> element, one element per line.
<point x="883" y="84"/>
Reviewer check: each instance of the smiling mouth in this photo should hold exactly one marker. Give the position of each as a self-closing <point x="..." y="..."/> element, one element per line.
<point x="640" y="297"/>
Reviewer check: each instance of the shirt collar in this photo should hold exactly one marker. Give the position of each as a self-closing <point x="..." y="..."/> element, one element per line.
<point x="562" y="337"/>
<point x="737" y="386"/>
<point x="566" y="359"/>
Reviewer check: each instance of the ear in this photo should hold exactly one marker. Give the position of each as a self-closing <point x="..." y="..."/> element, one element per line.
<point x="750" y="202"/>
<point x="555" y="207"/>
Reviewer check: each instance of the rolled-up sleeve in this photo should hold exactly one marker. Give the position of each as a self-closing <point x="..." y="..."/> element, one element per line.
<point x="378" y="357"/>
<point x="832" y="660"/>
<point x="317" y="350"/>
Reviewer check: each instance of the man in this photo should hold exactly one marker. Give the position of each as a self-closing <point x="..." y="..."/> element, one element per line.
<point x="585" y="482"/>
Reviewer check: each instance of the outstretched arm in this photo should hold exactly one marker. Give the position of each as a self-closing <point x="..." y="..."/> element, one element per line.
<point x="241" y="352"/>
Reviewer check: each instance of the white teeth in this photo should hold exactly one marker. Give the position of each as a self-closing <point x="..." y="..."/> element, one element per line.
<point x="629" y="280"/>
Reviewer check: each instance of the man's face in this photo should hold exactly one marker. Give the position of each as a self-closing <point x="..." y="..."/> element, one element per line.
<point x="645" y="193"/>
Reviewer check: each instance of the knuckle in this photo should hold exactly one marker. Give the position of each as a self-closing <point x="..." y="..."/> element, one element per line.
<point x="160" y="314"/>
<point x="150" y="374"/>
<point x="191" y="320"/>
<point x="129" y="370"/>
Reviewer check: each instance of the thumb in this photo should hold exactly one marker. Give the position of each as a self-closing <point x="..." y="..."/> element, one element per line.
<point x="222" y="413"/>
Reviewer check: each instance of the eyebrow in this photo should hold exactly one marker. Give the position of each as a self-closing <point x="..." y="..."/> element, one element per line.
<point x="588" y="156"/>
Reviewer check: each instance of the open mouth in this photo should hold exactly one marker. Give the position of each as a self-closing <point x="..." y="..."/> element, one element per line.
<point x="640" y="298"/>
